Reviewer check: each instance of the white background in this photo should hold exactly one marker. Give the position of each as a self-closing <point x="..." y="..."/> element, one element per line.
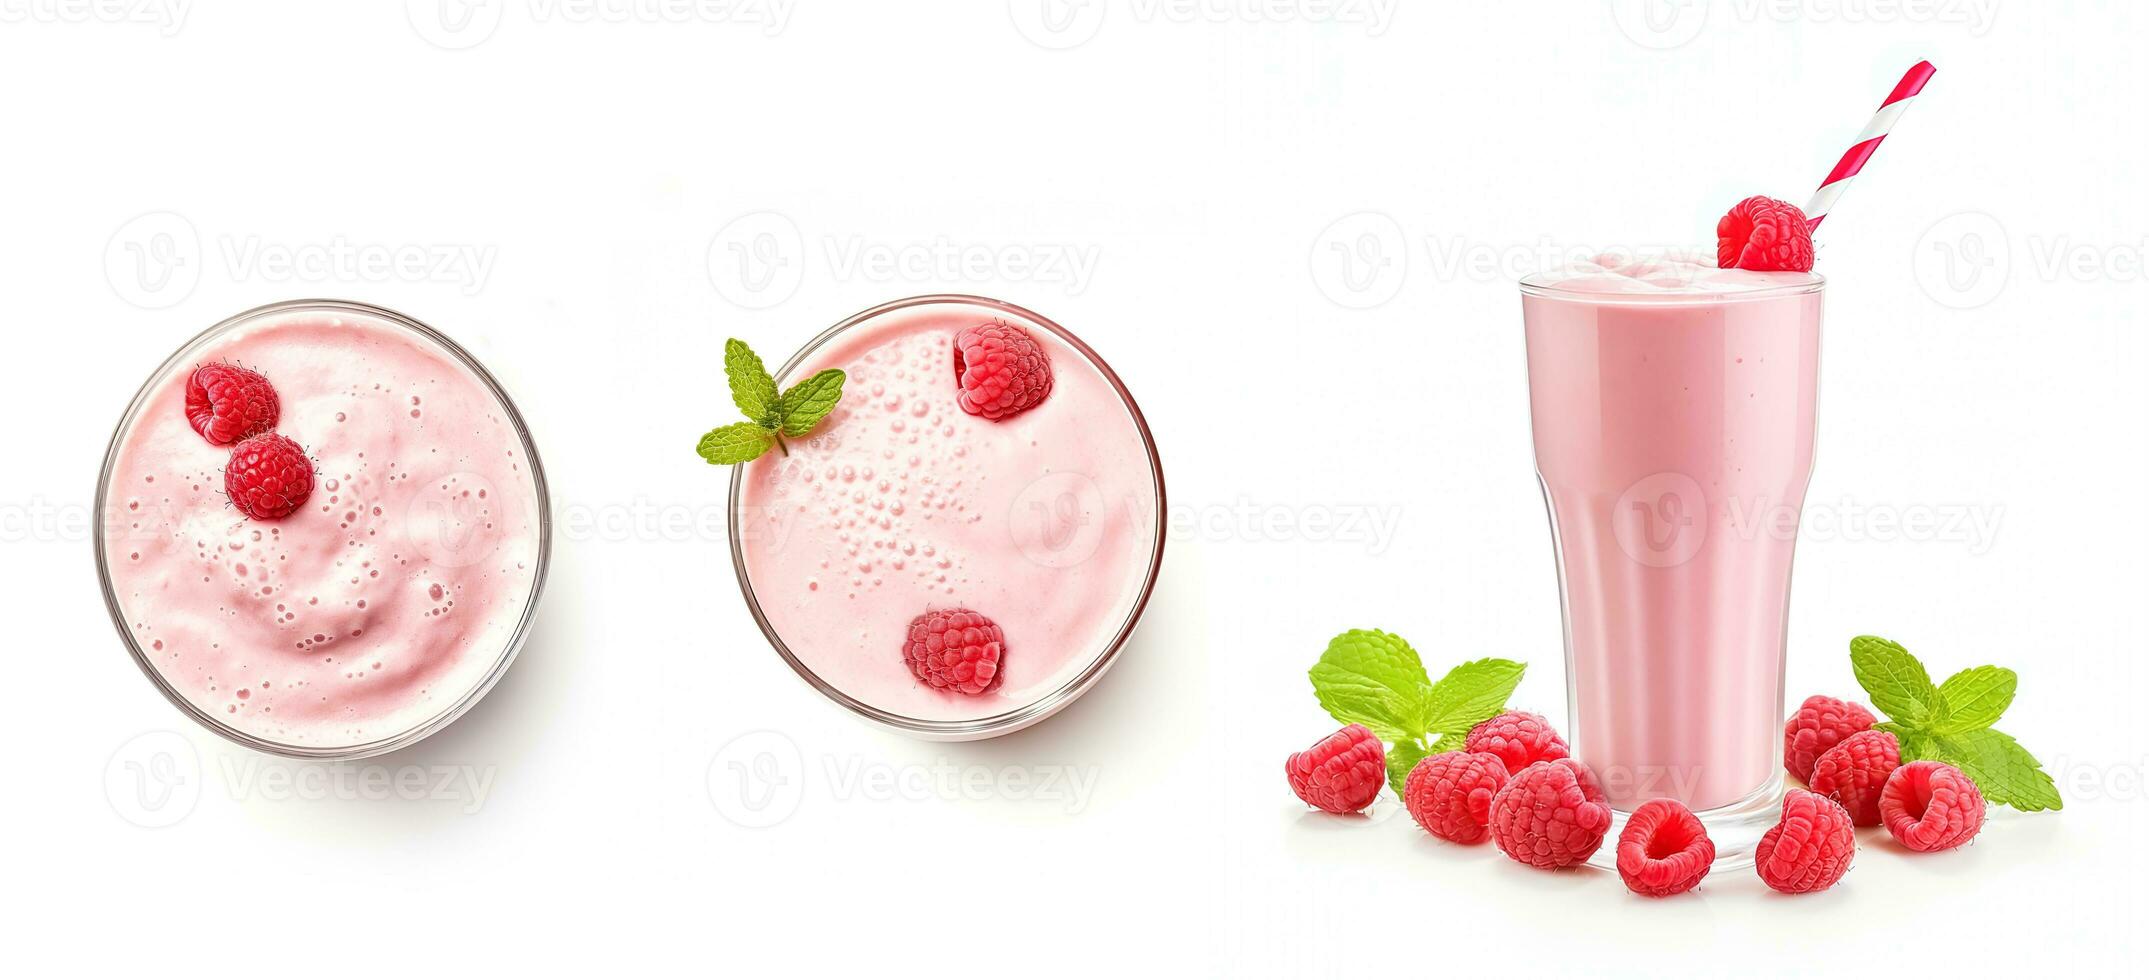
<point x="1984" y="359"/>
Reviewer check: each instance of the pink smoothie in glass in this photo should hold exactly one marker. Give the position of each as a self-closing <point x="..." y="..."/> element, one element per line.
<point x="1045" y="522"/>
<point x="388" y="597"/>
<point x="1673" y="410"/>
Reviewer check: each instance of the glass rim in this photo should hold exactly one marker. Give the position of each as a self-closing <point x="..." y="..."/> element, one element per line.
<point x="439" y="720"/>
<point x="1536" y="285"/>
<point x="1045" y="705"/>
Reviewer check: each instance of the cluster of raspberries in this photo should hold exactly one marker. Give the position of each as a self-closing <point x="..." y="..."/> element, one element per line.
<point x="1834" y="746"/>
<point x="269" y="476"/>
<point x="1514" y="782"/>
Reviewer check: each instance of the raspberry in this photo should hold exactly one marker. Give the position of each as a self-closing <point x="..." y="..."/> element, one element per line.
<point x="1853" y="772"/>
<point x="1664" y="849"/>
<point x="1551" y="815"/>
<point x="1931" y="806"/>
<point x="1342" y="773"/>
<point x="1450" y="794"/>
<point x="1766" y="235"/>
<point x="1810" y="848"/>
<point x="1000" y="369"/>
<point x="1820" y="723"/>
<point x="227" y="403"/>
<point x="955" y="650"/>
<point x="1519" y="738"/>
<point x="268" y="477"/>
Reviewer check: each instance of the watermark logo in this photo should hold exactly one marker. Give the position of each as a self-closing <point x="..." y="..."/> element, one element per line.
<point x="758" y="260"/>
<point x="1057" y="520"/>
<point x="1662" y="520"/>
<point x="454" y="25"/>
<point x="1968" y="259"/>
<point x="758" y="779"/>
<point x="153" y="780"/>
<point x="1057" y="25"/>
<point x="154" y="261"/>
<point x="1963" y="260"/>
<point x="1360" y="260"/>
<point x="1660" y="24"/>
<point x="453" y="520"/>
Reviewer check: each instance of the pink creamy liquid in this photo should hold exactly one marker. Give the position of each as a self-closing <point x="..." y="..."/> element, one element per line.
<point x="1672" y="405"/>
<point x="382" y="601"/>
<point x="901" y="502"/>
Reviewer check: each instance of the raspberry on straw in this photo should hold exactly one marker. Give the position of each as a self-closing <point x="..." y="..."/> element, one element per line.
<point x="1854" y="159"/>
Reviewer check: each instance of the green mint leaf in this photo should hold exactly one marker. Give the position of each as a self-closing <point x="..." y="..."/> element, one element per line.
<point x="809" y="401"/>
<point x="1975" y="699"/>
<point x="752" y="389"/>
<point x="2004" y="771"/>
<point x="1403" y="756"/>
<point x="1375" y="679"/>
<point x="1471" y="693"/>
<point x="1895" y="680"/>
<point x="735" y="443"/>
<point x="1914" y="743"/>
<point x="1452" y="742"/>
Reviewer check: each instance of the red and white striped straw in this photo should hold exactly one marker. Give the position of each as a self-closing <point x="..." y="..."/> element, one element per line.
<point x="1854" y="158"/>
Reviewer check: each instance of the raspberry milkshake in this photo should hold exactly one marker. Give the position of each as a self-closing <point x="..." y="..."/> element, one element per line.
<point x="963" y="545"/>
<point x="1672" y="404"/>
<point x="358" y="568"/>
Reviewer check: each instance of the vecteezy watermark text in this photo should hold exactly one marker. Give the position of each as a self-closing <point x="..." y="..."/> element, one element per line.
<point x="1664" y="24"/>
<point x="257" y="779"/>
<point x="155" y="260"/>
<point x="1967" y="259"/>
<point x="167" y="16"/>
<point x="758" y="261"/>
<point x="458" y="24"/>
<point x="760" y="779"/>
<point x="1063" y="24"/>
<point x="156" y="779"/>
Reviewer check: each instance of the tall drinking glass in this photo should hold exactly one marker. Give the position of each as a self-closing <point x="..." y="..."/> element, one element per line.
<point x="1672" y="408"/>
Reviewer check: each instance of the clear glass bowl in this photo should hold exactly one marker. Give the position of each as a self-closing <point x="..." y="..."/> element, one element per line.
<point x="501" y="662"/>
<point x="1098" y="662"/>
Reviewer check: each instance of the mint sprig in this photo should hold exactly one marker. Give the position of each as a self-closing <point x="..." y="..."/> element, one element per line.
<point x="1375" y="679"/>
<point x="770" y="416"/>
<point x="1952" y="722"/>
